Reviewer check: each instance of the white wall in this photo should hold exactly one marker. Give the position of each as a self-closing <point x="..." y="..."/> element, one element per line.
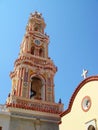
<point x="4" y="121"/>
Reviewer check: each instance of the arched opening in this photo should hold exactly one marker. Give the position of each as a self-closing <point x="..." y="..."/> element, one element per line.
<point x="36" y="29"/>
<point x="91" y="127"/>
<point x="32" y="50"/>
<point x="36" y="88"/>
<point x="41" y="52"/>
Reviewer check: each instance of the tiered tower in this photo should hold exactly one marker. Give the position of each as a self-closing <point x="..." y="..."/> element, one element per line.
<point x="31" y="101"/>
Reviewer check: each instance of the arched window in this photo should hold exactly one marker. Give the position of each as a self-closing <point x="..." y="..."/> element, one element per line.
<point x="36" y="29"/>
<point x="41" y="52"/>
<point x="36" y="86"/>
<point x="32" y="50"/>
<point x="91" y="127"/>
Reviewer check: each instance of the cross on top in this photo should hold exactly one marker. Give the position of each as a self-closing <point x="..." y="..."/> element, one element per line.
<point x="84" y="74"/>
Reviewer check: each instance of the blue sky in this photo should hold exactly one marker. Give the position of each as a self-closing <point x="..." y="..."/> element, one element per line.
<point x="73" y="29"/>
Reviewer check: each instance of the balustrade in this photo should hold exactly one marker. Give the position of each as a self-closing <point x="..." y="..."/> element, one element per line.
<point x="37" y="106"/>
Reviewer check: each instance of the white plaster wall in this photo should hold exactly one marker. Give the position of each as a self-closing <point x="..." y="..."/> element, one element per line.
<point x="49" y="126"/>
<point x="21" y="124"/>
<point x="4" y="121"/>
<point x="26" y="124"/>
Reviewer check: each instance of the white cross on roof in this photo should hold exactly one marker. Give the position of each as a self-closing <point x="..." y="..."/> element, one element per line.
<point x="84" y="74"/>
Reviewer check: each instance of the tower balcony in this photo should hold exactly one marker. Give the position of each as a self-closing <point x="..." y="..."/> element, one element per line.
<point x="35" y="105"/>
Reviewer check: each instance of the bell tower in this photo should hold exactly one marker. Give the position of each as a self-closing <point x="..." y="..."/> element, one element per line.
<point x="32" y="90"/>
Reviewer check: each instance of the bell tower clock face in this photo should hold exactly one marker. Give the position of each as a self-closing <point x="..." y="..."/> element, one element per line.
<point x="37" y="42"/>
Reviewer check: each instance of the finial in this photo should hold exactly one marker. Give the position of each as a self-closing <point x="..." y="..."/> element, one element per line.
<point x="84" y="73"/>
<point x="60" y="101"/>
<point x="36" y="14"/>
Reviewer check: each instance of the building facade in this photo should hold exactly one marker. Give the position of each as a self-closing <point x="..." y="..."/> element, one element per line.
<point x="82" y="113"/>
<point x="31" y="102"/>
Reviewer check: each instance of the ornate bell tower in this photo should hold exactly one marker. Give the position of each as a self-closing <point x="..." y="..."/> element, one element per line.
<point x="33" y="80"/>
